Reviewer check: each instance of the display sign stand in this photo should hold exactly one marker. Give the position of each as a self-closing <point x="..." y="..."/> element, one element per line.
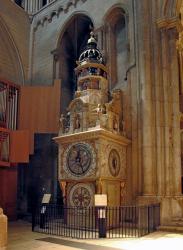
<point x="101" y="204"/>
<point x="44" y="203"/>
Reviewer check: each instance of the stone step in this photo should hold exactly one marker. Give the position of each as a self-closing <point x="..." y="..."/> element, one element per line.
<point x="178" y="223"/>
<point x="171" y="228"/>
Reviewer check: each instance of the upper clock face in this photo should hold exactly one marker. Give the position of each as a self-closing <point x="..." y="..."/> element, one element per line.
<point x="79" y="159"/>
<point x="114" y="162"/>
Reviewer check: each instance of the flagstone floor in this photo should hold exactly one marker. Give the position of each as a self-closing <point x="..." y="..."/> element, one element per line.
<point x="20" y="237"/>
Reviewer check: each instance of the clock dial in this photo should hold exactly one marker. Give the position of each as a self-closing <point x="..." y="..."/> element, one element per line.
<point x="81" y="195"/>
<point x="114" y="163"/>
<point x="79" y="159"/>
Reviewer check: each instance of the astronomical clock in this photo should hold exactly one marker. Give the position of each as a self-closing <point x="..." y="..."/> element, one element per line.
<point x="92" y="142"/>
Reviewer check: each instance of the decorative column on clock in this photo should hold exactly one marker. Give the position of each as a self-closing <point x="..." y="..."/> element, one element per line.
<point x="92" y="148"/>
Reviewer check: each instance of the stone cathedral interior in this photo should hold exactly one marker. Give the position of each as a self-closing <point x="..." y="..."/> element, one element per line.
<point x="125" y="103"/>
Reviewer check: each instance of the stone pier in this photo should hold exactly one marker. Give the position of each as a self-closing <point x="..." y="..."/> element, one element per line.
<point x="3" y="230"/>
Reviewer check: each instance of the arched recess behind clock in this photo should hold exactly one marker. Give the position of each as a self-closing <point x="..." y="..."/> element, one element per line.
<point x="117" y="46"/>
<point x="72" y="42"/>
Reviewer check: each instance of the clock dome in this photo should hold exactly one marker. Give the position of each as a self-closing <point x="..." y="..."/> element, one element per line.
<point x="91" y="53"/>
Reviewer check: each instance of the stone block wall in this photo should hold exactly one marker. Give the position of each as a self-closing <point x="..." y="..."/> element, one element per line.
<point x="49" y="24"/>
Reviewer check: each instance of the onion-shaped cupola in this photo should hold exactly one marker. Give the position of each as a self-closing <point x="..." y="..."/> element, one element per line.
<point x="90" y="71"/>
<point x="91" y="53"/>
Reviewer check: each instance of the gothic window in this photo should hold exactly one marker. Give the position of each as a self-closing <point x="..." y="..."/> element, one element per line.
<point x="117" y="46"/>
<point x="19" y="2"/>
<point x="44" y="2"/>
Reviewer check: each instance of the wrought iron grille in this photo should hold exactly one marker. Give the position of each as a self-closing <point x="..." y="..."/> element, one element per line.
<point x="96" y="222"/>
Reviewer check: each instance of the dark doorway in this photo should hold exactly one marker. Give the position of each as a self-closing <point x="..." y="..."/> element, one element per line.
<point x="39" y="176"/>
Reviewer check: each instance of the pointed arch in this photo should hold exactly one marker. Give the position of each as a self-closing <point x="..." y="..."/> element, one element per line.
<point x="11" y="68"/>
<point x="116" y="28"/>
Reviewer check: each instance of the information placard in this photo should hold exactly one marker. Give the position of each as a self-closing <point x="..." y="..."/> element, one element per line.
<point x="46" y="198"/>
<point x="100" y="200"/>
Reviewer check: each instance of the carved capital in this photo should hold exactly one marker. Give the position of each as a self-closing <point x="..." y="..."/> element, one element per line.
<point x="170" y="23"/>
<point x="56" y="54"/>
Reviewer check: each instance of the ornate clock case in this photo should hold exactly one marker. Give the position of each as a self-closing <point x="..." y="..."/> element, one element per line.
<point x="92" y="142"/>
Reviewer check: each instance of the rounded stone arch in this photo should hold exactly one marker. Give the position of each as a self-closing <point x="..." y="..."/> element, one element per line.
<point x="71" y="41"/>
<point x="68" y="21"/>
<point x="10" y="64"/>
<point x="116" y="22"/>
<point x="113" y="8"/>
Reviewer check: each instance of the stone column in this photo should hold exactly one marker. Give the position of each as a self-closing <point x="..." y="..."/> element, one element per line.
<point x="56" y="60"/>
<point x="172" y="169"/>
<point x="100" y="42"/>
<point x="158" y="104"/>
<point x="166" y="109"/>
<point x="111" y="54"/>
<point x="176" y="145"/>
<point x="146" y="100"/>
<point x="33" y="6"/>
<point x="29" y="6"/>
<point x="3" y="230"/>
<point x="180" y="52"/>
<point x="112" y="49"/>
<point x="26" y="5"/>
<point x="36" y="5"/>
<point x="171" y="208"/>
<point x="39" y="4"/>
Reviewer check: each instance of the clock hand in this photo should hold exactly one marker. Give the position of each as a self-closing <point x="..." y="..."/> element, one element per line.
<point x="81" y="167"/>
<point x="81" y="162"/>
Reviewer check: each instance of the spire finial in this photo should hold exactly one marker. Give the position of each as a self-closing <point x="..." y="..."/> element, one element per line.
<point x="92" y="38"/>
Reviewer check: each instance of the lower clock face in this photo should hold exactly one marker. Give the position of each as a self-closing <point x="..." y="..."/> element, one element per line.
<point x="81" y="195"/>
<point x="114" y="162"/>
<point x="79" y="159"/>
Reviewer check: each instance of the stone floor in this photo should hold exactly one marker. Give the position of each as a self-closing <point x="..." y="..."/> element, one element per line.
<point x="20" y="237"/>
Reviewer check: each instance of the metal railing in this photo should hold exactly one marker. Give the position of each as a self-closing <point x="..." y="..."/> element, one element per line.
<point x="96" y="222"/>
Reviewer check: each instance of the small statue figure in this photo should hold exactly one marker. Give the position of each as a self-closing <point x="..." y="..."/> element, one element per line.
<point x="67" y="121"/>
<point x="103" y="109"/>
<point x="62" y="121"/>
<point x="85" y="85"/>
<point x="98" y="71"/>
<point x="105" y="75"/>
<point x="115" y="124"/>
<point x="85" y="72"/>
<point x="77" y="122"/>
<point x="98" y="109"/>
